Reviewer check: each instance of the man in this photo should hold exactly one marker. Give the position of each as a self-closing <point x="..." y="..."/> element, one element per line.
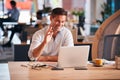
<point x="39" y="14"/>
<point x="13" y="15"/>
<point x="47" y="41"/>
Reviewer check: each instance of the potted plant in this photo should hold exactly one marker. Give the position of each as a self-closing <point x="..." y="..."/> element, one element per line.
<point x="79" y="16"/>
<point x="78" y="13"/>
<point x="105" y="13"/>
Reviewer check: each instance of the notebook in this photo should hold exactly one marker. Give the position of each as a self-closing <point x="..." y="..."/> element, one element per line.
<point x="76" y="56"/>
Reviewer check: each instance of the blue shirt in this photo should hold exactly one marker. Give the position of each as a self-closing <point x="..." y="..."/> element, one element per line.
<point x="14" y="14"/>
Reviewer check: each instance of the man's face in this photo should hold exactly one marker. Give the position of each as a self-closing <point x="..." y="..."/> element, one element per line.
<point x="58" y="21"/>
<point x="13" y="6"/>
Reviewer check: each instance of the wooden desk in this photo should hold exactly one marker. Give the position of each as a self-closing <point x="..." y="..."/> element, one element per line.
<point x="17" y="72"/>
<point x="10" y="24"/>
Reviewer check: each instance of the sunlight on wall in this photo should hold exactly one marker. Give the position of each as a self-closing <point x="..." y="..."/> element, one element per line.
<point x="24" y="16"/>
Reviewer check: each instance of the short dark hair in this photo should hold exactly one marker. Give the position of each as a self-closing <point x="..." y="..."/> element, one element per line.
<point x="39" y="14"/>
<point x="12" y="2"/>
<point x="58" y="11"/>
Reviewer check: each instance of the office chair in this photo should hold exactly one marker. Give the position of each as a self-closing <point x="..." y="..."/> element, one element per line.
<point x="108" y="27"/>
<point x="21" y="52"/>
<point x="111" y="46"/>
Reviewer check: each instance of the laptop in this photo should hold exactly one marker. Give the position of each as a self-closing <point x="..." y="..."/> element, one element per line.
<point x="76" y="56"/>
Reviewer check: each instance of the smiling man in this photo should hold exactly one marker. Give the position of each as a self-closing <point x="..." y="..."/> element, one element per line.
<point x="46" y="42"/>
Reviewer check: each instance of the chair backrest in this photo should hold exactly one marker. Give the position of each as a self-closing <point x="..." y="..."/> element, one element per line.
<point x="74" y="34"/>
<point x="108" y="27"/>
<point x="111" y="46"/>
<point x="21" y="52"/>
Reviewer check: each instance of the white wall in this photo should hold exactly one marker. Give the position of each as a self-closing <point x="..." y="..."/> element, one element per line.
<point x="92" y="12"/>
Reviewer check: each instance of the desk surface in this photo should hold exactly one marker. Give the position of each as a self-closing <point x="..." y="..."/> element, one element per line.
<point x="18" y="72"/>
<point x="10" y="23"/>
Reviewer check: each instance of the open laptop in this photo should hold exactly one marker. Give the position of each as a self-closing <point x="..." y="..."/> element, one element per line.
<point x="76" y="56"/>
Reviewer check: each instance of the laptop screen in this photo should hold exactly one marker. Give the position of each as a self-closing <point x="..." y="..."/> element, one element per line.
<point x="76" y="56"/>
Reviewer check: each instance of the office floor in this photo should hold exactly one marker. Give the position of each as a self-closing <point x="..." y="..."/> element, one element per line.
<point x="6" y="54"/>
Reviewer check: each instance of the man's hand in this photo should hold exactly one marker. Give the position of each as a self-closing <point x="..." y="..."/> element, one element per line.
<point x="49" y="34"/>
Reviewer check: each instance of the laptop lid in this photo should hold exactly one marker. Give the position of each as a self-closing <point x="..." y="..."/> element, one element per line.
<point x="76" y="56"/>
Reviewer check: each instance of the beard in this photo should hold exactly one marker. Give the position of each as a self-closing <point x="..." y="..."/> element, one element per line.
<point x="57" y="28"/>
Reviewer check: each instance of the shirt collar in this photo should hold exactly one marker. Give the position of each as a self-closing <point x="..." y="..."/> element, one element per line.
<point x="61" y="28"/>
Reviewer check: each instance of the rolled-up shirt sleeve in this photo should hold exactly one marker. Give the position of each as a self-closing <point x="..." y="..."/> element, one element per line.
<point x="36" y="41"/>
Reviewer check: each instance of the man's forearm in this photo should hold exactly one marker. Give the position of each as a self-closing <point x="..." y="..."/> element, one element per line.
<point x="48" y="58"/>
<point x="37" y="51"/>
<point x="53" y="58"/>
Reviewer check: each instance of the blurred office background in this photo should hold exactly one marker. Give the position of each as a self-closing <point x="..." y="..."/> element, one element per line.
<point x="92" y="9"/>
<point x="94" y="12"/>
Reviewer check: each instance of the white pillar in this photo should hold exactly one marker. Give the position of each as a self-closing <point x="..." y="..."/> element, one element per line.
<point x="89" y="14"/>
